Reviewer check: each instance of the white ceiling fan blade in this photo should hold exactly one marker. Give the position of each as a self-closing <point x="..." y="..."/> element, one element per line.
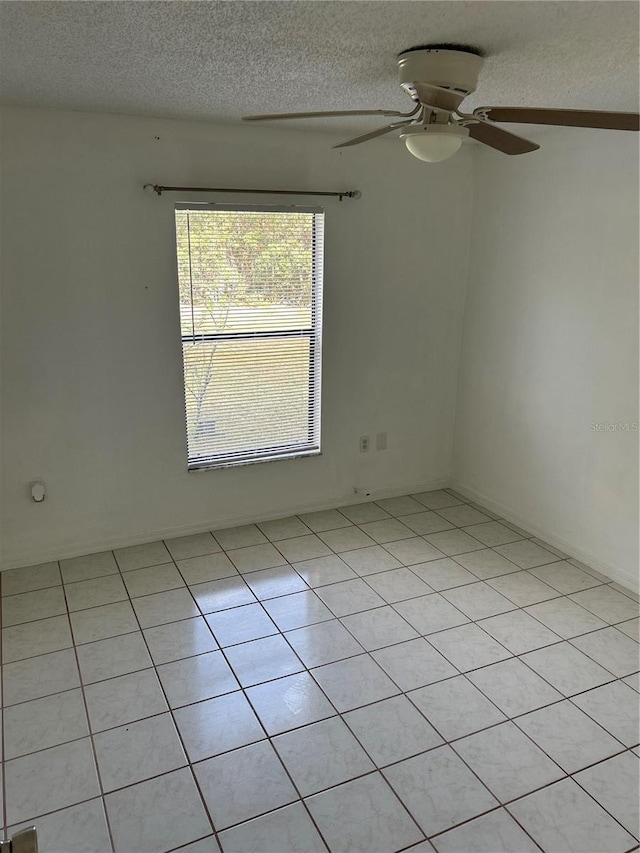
<point x="372" y="134"/>
<point x="329" y="114"/>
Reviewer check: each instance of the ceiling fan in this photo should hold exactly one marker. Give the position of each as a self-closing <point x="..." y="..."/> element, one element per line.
<point x="438" y="78"/>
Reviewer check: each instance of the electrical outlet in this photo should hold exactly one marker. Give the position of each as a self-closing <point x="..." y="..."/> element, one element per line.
<point x="381" y="441"/>
<point x="364" y="443"/>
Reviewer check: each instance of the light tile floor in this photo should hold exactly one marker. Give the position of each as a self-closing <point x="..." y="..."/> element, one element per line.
<point x="412" y="674"/>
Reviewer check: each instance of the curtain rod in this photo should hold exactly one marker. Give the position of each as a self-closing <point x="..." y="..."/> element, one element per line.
<point x="149" y="188"/>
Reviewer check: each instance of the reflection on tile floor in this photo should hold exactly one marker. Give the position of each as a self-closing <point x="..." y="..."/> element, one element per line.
<point x="411" y="674"/>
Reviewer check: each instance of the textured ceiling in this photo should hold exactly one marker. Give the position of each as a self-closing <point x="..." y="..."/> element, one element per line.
<point x="218" y="60"/>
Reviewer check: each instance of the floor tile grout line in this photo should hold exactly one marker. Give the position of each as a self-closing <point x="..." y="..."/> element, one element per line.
<point x="448" y="741"/>
<point x="90" y="734"/>
<point x="316" y="666"/>
<point x="186" y="846"/>
<point x="476" y="621"/>
<point x="458" y="674"/>
<point x="556" y="593"/>
<point x="3" y="792"/>
<point x="448" y="628"/>
<point x="284" y="537"/>
<point x="587" y="654"/>
<point x="9" y="595"/>
<point x="33" y="820"/>
<point x="563" y="698"/>
<point x="88" y="683"/>
<point x="514" y="817"/>
<point x="609" y="624"/>
<point x="577" y="781"/>
<point x="272" y="746"/>
<point x="592" y="718"/>
<point x="180" y="738"/>
<point x="623" y="591"/>
<point x="391" y="604"/>
<point x="555" y="598"/>
<point x="536" y="648"/>
<point x="501" y="808"/>
<point x="414" y="847"/>
<point x="378" y="769"/>
<point x="451" y="743"/>
<point x="243" y="690"/>
<point x="102" y="794"/>
<point x="83" y="737"/>
<point x="564" y="777"/>
<point x="562" y="640"/>
<point x="337" y="554"/>
<point x="574" y="561"/>
<point x="566" y="773"/>
<point x="445" y="742"/>
<point x="518" y="657"/>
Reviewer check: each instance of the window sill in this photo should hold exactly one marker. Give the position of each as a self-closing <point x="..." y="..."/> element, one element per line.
<point x="194" y="468"/>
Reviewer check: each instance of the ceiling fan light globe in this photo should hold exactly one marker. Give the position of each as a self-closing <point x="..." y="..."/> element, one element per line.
<point x="435" y="143"/>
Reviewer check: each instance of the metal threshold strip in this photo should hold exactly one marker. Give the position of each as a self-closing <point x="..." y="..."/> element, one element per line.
<point x="159" y="189"/>
<point x="25" y="841"/>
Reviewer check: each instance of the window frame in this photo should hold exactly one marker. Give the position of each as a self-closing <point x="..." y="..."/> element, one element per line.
<point x="313" y="333"/>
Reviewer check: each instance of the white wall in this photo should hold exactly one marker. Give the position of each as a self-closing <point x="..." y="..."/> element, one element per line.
<point x="92" y="400"/>
<point x="550" y="344"/>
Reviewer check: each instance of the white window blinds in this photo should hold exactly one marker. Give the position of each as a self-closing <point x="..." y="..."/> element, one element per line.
<point x="250" y="282"/>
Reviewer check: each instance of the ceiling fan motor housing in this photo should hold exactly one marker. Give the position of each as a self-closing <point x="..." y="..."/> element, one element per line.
<point x="456" y="70"/>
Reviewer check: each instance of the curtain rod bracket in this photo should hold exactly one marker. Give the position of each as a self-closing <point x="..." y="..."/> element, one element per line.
<point x="157" y="188"/>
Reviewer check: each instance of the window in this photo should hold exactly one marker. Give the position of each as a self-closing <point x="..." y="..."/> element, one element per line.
<point x="250" y="282"/>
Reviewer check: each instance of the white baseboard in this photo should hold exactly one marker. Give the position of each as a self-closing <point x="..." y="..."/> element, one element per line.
<point x="80" y="548"/>
<point x="612" y="572"/>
